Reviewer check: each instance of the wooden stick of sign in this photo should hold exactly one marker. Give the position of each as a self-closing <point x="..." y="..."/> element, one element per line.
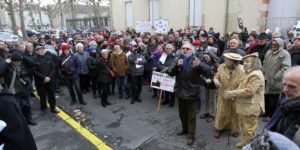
<point x="159" y="100"/>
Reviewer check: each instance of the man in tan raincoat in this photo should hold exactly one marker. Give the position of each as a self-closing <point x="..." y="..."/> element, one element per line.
<point x="249" y="97"/>
<point x="228" y="78"/>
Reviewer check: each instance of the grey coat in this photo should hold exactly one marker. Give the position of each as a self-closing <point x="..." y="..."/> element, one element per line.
<point x="134" y="71"/>
<point x="274" y="66"/>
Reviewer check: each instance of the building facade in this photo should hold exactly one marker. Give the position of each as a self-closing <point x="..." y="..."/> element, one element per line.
<point x="222" y="15"/>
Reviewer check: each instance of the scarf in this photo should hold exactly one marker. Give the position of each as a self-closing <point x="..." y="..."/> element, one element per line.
<point x="186" y="61"/>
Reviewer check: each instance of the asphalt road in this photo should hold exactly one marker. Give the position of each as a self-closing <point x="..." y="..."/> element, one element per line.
<point x="122" y="126"/>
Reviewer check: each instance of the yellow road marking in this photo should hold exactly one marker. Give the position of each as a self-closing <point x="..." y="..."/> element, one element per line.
<point x="84" y="132"/>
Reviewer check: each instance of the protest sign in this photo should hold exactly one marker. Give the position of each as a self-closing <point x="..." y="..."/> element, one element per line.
<point x="161" y="26"/>
<point x="162" y="81"/>
<point x="143" y="26"/>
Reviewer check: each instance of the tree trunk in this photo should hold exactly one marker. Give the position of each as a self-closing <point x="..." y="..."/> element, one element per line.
<point x="12" y="16"/>
<point x="40" y="14"/>
<point x="73" y="15"/>
<point x="21" y="7"/>
<point x="31" y="16"/>
<point x="61" y="14"/>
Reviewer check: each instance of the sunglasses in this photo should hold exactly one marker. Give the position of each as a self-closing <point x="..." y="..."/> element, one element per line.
<point x="186" y="48"/>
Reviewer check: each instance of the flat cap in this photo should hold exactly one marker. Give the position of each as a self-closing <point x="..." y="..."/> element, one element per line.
<point x="39" y="47"/>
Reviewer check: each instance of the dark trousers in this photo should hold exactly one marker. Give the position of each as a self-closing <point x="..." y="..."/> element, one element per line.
<point x="26" y="106"/>
<point x="103" y="89"/>
<point x="94" y="84"/>
<point x="122" y="83"/>
<point x="73" y="82"/>
<point x="136" y="83"/>
<point x="187" y="114"/>
<point x="112" y="85"/>
<point x="169" y="97"/>
<point x="271" y="102"/>
<point x="44" y="91"/>
<point x="84" y="82"/>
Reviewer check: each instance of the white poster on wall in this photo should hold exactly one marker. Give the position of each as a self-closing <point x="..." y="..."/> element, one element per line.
<point x="141" y="26"/>
<point x="161" y="26"/>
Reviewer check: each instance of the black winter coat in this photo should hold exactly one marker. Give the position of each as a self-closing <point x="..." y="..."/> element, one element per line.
<point x="91" y="63"/>
<point x="16" y="135"/>
<point x="291" y="114"/>
<point x="188" y="83"/>
<point x="103" y="71"/>
<point x="44" y="67"/>
<point x="295" y="56"/>
<point x="168" y="63"/>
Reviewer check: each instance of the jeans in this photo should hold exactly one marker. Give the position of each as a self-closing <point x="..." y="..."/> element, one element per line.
<point x="73" y="82"/>
<point x="122" y="83"/>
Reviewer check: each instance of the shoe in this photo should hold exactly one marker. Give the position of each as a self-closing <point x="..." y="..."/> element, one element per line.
<point x="266" y="119"/>
<point x="107" y="103"/>
<point x="120" y="97"/>
<point x="127" y="97"/>
<point x="154" y="96"/>
<point x="94" y="96"/>
<point x="190" y="141"/>
<point x="241" y="144"/>
<point x="171" y="104"/>
<point x="103" y="104"/>
<point x="132" y="101"/>
<point x="82" y="103"/>
<point x="31" y="122"/>
<point x="55" y="111"/>
<point x="182" y="132"/>
<point x="165" y="102"/>
<point x="138" y="100"/>
<point x="44" y="112"/>
<point x="203" y="116"/>
<point x="72" y="103"/>
<point x="217" y="134"/>
<point x="210" y="118"/>
<point x="235" y="134"/>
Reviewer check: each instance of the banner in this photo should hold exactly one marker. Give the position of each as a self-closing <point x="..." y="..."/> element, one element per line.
<point x="162" y="81"/>
<point x="161" y="26"/>
<point x="143" y="26"/>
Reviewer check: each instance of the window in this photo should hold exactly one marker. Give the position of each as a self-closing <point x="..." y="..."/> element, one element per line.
<point x="195" y="14"/>
<point x="129" y="13"/>
<point x="153" y="10"/>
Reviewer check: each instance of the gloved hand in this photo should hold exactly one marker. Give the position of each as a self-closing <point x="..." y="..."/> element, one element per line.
<point x="218" y="83"/>
<point x="208" y="81"/>
<point x="227" y="95"/>
<point x="164" y="70"/>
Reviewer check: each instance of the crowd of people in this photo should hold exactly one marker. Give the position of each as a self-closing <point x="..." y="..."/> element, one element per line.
<point x="233" y="79"/>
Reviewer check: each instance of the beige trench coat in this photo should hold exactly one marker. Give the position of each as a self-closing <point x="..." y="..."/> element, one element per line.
<point x="226" y="109"/>
<point x="250" y="94"/>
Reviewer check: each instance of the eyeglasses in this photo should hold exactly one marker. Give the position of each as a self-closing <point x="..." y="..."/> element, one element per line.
<point x="186" y="48"/>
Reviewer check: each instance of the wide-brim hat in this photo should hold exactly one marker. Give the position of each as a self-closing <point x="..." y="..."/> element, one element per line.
<point x="233" y="56"/>
<point x="251" y="55"/>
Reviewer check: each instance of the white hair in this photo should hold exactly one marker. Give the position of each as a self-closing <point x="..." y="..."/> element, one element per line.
<point x="294" y="69"/>
<point x="190" y="46"/>
<point x="79" y="45"/>
<point x="104" y="51"/>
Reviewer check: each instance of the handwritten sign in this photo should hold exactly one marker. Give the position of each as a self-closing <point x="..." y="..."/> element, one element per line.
<point x="143" y="26"/>
<point x="161" y="26"/>
<point x="162" y="81"/>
